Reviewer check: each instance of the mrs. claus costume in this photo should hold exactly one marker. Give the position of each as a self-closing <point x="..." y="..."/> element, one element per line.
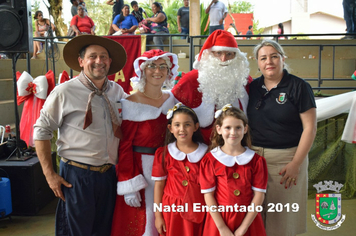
<point x="143" y="129"/>
<point x="187" y="91"/>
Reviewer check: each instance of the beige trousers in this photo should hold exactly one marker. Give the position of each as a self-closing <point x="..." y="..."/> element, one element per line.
<point x="279" y="216"/>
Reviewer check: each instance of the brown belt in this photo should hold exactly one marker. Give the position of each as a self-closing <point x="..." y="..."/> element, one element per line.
<point x="101" y="169"/>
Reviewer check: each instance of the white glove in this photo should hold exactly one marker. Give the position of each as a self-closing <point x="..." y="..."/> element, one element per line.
<point x="133" y="199"/>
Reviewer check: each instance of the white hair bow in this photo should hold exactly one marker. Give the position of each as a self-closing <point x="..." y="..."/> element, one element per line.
<point x="224" y="108"/>
<point x="170" y="111"/>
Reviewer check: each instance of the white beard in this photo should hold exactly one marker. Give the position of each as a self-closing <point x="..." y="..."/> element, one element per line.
<point x="222" y="83"/>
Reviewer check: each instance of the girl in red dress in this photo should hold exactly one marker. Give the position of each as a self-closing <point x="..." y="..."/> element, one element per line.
<point x="175" y="171"/>
<point x="233" y="178"/>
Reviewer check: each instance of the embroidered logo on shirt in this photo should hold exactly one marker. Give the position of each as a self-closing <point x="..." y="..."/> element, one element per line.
<point x="281" y="98"/>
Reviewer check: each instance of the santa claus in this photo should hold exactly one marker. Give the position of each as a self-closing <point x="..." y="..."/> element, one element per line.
<point x="220" y="76"/>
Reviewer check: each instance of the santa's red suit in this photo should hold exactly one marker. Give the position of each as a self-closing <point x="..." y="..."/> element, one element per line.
<point x="186" y="91"/>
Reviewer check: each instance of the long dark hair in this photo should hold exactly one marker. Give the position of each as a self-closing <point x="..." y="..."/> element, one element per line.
<point x="36" y="14"/>
<point x="217" y="140"/>
<point x="197" y="135"/>
<point x="280" y="25"/>
<point x="159" y="5"/>
<point x="122" y="17"/>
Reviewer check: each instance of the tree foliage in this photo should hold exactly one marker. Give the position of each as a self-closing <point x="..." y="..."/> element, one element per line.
<point x="245" y="7"/>
<point x="240" y="7"/>
<point x="101" y="14"/>
<point x="55" y="10"/>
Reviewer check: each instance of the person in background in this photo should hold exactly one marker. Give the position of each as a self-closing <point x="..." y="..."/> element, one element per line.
<point x="144" y="125"/>
<point x="137" y="11"/>
<point x="117" y="6"/>
<point x="82" y="24"/>
<point x="158" y="23"/>
<point x="124" y="23"/>
<point x="249" y="32"/>
<point x="282" y="118"/>
<point x="217" y="12"/>
<point x="42" y="25"/>
<point x="116" y="9"/>
<point x="73" y="9"/>
<point x="84" y="110"/>
<point x="281" y="31"/>
<point x="82" y="3"/>
<point x="183" y="19"/>
<point x="232" y="29"/>
<point x="349" y="7"/>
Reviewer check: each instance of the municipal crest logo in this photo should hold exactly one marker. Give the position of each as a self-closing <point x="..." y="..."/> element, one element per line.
<point x="328" y="206"/>
<point x="281" y="98"/>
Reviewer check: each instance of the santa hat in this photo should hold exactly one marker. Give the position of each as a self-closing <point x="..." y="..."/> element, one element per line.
<point x="153" y="55"/>
<point x="219" y="40"/>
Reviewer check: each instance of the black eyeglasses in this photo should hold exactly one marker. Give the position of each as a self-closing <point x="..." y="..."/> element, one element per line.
<point x="259" y="103"/>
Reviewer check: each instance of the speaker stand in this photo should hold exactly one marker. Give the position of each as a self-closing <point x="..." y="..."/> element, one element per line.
<point x="18" y="157"/>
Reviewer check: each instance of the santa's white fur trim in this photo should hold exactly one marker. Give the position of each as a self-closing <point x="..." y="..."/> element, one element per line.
<point x="147" y="163"/>
<point x="222" y="48"/>
<point x="132" y="185"/>
<point x="197" y="62"/>
<point x="205" y="113"/>
<point x="138" y="112"/>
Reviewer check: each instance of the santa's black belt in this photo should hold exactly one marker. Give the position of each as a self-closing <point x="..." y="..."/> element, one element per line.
<point x="147" y="150"/>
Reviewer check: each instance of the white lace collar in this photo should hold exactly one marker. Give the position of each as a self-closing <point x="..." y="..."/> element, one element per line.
<point x="193" y="157"/>
<point x="140" y="112"/>
<point x="229" y="161"/>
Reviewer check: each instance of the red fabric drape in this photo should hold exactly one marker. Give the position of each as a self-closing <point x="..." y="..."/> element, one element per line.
<point x="64" y="77"/>
<point x="132" y="45"/>
<point x="31" y="109"/>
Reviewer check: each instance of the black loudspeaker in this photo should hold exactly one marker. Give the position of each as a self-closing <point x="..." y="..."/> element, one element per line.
<point x="16" y="26"/>
<point x="29" y="189"/>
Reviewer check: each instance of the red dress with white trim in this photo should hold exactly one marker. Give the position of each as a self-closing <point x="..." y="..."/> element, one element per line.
<point x="234" y="180"/>
<point x="143" y="126"/>
<point x="174" y="190"/>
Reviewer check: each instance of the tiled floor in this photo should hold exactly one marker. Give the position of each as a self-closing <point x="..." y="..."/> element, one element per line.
<point x="43" y="223"/>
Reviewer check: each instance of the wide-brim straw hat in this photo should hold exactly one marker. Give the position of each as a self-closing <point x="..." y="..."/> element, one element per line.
<point x="116" y="51"/>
